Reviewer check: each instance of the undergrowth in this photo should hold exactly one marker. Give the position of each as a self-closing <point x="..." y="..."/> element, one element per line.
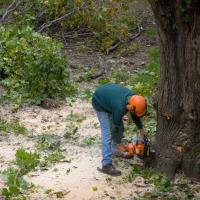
<point x="16" y="186"/>
<point x="104" y="22"/>
<point x="90" y="141"/>
<point x="163" y="188"/>
<point x="145" y="80"/>
<point x="48" y="153"/>
<point x="32" y="67"/>
<point x="48" y="145"/>
<point x="150" y="32"/>
<point x="26" y="161"/>
<point x="13" y="126"/>
<point x="75" y="117"/>
<point x="71" y="132"/>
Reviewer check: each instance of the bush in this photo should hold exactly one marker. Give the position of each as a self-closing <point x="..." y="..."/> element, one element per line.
<point x="145" y="80"/>
<point x="107" y="20"/>
<point x="33" y="66"/>
<point x="13" y="126"/>
<point x="27" y="161"/>
<point x="16" y="185"/>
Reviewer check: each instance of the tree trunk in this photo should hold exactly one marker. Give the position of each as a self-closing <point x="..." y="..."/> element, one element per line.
<point x="178" y="106"/>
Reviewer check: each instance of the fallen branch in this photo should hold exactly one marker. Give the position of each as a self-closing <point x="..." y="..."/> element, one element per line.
<point x="77" y="30"/>
<point x="73" y="12"/>
<point x="118" y="42"/>
<point x="140" y="29"/>
<point x="9" y="10"/>
<point x="63" y="37"/>
<point x="103" y="68"/>
<point x="74" y="46"/>
<point x="39" y="15"/>
<point x="78" y="35"/>
<point x="112" y="48"/>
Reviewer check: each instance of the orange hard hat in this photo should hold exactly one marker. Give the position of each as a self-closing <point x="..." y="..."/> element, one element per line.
<point x="138" y="105"/>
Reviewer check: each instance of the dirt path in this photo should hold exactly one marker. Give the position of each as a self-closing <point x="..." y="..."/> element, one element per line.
<point x="76" y="177"/>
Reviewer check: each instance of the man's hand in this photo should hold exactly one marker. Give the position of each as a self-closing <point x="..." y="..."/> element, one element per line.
<point x="142" y="133"/>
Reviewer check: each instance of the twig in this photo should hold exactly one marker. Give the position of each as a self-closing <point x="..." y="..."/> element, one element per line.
<point x="117" y="43"/>
<point x="103" y="68"/>
<point x="64" y="40"/>
<point x="9" y="9"/>
<point x="76" y="30"/>
<point x="78" y="35"/>
<point x="39" y="15"/>
<point x="140" y="29"/>
<point x="69" y="33"/>
<point x="73" y="12"/>
<point x="110" y="49"/>
<point x="73" y="46"/>
<point x="82" y="30"/>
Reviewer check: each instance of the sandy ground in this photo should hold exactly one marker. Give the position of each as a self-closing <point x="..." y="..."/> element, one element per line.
<point x="79" y="178"/>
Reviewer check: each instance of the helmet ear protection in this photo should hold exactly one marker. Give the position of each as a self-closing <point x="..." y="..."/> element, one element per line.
<point x="131" y="108"/>
<point x="145" y="110"/>
<point x="137" y="105"/>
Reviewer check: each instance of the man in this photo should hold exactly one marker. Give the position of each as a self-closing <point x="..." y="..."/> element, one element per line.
<point x="111" y="102"/>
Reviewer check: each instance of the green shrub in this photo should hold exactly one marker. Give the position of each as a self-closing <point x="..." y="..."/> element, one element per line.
<point x="150" y="32"/>
<point x="108" y="20"/>
<point x="15" y="185"/>
<point x="52" y="158"/>
<point x="27" y="161"/>
<point x="48" y="142"/>
<point x="18" y="128"/>
<point x="120" y="75"/>
<point x="71" y="132"/>
<point x="85" y="94"/>
<point x="90" y="141"/>
<point x="4" y="126"/>
<point x="33" y="66"/>
<point x="75" y="117"/>
<point x="13" y="126"/>
<point x="145" y="80"/>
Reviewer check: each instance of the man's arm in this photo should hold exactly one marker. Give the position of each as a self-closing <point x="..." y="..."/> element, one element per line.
<point x="117" y="132"/>
<point x="117" y="126"/>
<point x="137" y="121"/>
<point x="139" y="124"/>
<point x="142" y="132"/>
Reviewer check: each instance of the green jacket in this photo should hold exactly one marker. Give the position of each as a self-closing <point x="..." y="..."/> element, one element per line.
<point x="113" y="98"/>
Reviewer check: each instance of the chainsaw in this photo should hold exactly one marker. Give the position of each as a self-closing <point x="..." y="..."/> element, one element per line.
<point x="139" y="146"/>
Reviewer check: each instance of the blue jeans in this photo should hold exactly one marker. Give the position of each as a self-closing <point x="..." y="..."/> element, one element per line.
<point x="108" y="145"/>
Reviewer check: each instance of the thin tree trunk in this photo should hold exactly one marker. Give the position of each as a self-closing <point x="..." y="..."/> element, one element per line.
<point x="178" y="106"/>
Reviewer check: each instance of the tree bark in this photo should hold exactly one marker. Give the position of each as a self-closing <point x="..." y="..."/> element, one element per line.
<point x="178" y="106"/>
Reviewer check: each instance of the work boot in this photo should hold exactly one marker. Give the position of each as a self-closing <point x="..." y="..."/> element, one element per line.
<point x="110" y="170"/>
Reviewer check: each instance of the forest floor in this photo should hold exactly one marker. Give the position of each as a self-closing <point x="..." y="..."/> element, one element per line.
<point x="75" y="176"/>
<point x="68" y="139"/>
<point x="68" y="136"/>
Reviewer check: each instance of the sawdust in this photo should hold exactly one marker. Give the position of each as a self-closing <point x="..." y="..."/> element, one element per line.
<point x="77" y="179"/>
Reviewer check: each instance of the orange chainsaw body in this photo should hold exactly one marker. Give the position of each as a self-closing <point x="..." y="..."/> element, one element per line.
<point x="134" y="149"/>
